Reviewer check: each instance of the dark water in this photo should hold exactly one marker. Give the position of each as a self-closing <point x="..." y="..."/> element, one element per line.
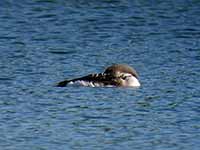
<point x="44" y="41"/>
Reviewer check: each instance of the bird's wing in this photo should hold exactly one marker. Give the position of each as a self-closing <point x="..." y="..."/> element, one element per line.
<point x="103" y="78"/>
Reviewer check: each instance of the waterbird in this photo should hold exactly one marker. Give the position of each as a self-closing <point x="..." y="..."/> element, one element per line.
<point x="117" y="75"/>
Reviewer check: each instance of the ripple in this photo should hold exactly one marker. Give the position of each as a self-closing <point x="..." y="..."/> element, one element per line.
<point x="62" y="52"/>
<point x="5" y="79"/>
<point x="8" y="37"/>
<point x="46" y="1"/>
<point x="46" y="16"/>
<point x="186" y="33"/>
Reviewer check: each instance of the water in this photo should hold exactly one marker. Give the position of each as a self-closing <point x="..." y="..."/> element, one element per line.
<point x="45" y="41"/>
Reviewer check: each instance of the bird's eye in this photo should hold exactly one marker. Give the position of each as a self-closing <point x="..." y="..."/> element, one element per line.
<point x="124" y="77"/>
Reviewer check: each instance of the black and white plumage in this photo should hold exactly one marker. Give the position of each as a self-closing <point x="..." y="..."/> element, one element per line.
<point x="118" y="75"/>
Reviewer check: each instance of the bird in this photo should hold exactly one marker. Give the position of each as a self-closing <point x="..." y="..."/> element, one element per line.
<point x="117" y="75"/>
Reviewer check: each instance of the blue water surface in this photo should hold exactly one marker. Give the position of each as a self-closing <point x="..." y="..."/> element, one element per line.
<point x="43" y="42"/>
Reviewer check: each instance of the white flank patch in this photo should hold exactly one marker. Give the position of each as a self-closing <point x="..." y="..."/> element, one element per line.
<point x="87" y="83"/>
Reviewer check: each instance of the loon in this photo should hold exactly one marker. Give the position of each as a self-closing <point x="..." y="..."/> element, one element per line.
<point x="118" y="75"/>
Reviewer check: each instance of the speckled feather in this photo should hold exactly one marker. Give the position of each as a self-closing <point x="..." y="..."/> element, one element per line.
<point x="106" y="79"/>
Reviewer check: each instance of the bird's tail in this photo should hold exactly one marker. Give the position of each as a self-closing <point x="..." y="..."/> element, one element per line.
<point x="63" y="83"/>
